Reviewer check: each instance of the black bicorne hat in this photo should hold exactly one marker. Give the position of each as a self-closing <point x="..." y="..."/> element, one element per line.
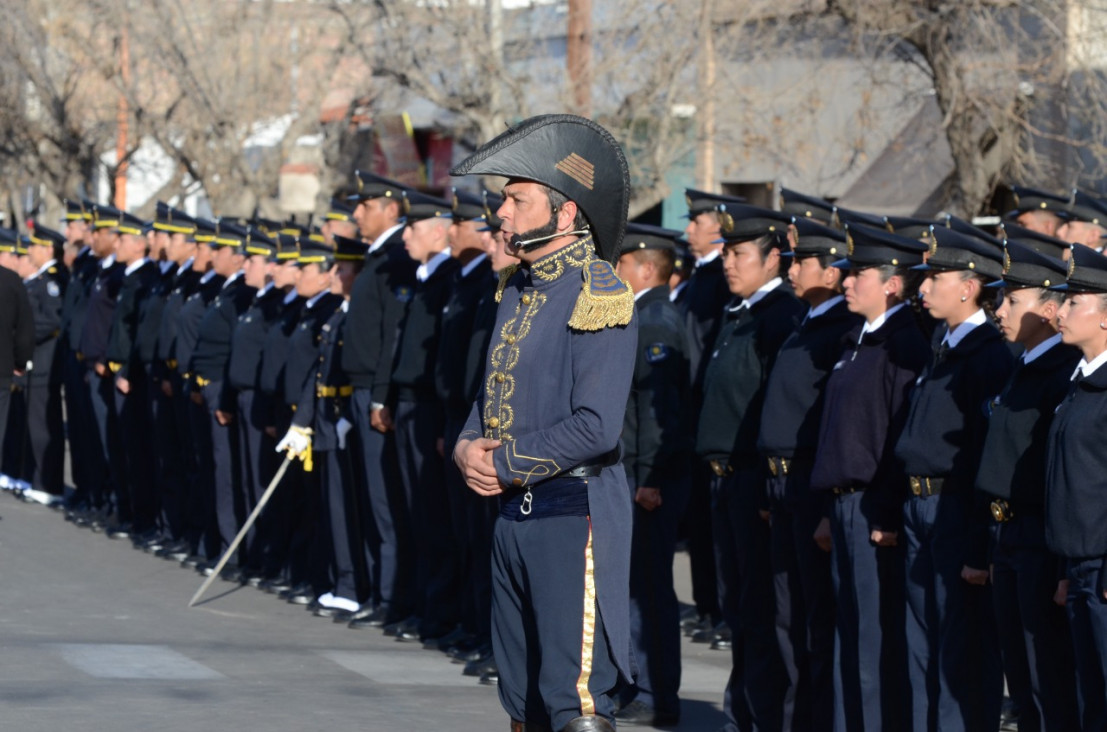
<point x="574" y="156"/>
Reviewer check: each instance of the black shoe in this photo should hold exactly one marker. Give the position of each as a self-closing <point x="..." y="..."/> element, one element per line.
<point x="490" y="678"/>
<point x="344" y="616"/>
<point x="409" y="625"/>
<point x="369" y="617"/>
<point x="119" y="531"/>
<point x="206" y="568"/>
<point x="480" y="653"/>
<point x="464" y="646"/>
<point x="481" y="667"/>
<point x="253" y="579"/>
<point x="641" y="713"/>
<point x="322" y="611"/>
<point x="709" y="635"/>
<point x="1009" y="717"/>
<point x="276" y="585"/>
<point x="443" y="641"/>
<point x="301" y="595"/>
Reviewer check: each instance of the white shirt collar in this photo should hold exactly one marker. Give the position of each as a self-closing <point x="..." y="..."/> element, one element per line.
<point x="311" y="303"/>
<point x="186" y="266"/>
<point x="676" y="290"/>
<point x="709" y="257"/>
<point x="41" y="269"/>
<point x="762" y="291"/>
<point x="345" y="306"/>
<point x="822" y="308"/>
<point x="955" y="336"/>
<point x="232" y="278"/>
<point x="473" y="265"/>
<point x="107" y="261"/>
<point x="1087" y="369"/>
<point x="165" y="266"/>
<point x="133" y="266"/>
<point x="640" y="293"/>
<point x="1041" y="348"/>
<point x="206" y="278"/>
<point x="84" y="248"/>
<point x="380" y="240"/>
<point x="424" y="271"/>
<point x="292" y="295"/>
<point x="879" y="320"/>
<point x="268" y="286"/>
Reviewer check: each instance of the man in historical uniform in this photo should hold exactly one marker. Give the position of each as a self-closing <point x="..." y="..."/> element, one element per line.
<point x="544" y="432"/>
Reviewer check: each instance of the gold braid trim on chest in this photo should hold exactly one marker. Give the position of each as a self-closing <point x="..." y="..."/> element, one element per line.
<point x="505" y="274"/>
<point x="576" y="255"/>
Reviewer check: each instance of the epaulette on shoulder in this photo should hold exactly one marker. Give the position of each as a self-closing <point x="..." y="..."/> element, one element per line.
<point x="605" y="301"/>
<point x="505" y="274"/>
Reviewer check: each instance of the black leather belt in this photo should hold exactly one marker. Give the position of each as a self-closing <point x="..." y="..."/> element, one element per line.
<point x="846" y="490"/>
<point x="924" y="485"/>
<point x="592" y="468"/>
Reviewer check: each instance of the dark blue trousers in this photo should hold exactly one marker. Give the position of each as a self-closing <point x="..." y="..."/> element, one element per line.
<point x="547" y="634"/>
<point x="218" y="460"/>
<point x="80" y="428"/>
<point x="1033" y="630"/>
<point x="654" y="610"/>
<point x="384" y="516"/>
<point x="137" y="483"/>
<point x="419" y="425"/>
<point x="1087" y="611"/>
<point x="165" y="456"/>
<point x="102" y="394"/>
<point x="192" y="429"/>
<point x="870" y="671"/>
<point x="339" y="521"/>
<point x="804" y="604"/>
<point x="952" y="646"/>
<point x="258" y="464"/>
<point x="696" y="527"/>
<point x="45" y="435"/>
<point x="755" y="691"/>
<point x="459" y="497"/>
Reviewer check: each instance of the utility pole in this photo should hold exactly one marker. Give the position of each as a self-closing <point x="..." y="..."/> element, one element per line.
<point x="579" y="55"/>
<point x="705" y="160"/>
<point x="122" y="124"/>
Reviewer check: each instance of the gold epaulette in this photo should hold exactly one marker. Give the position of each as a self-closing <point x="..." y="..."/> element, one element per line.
<point x="605" y="301"/>
<point x="505" y="275"/>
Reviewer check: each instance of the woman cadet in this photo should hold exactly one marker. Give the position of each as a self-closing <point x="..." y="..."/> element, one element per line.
<point x="1033" y="632"/>
<point x="1076" y="481"/>
<point x="952" y="651"/>
<point x="861" y="482"/>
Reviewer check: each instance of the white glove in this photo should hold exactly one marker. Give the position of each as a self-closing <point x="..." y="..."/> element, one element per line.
<point x="295" y="441"/>
<point x="342" y="429"/>
<point x="30" y="366"/>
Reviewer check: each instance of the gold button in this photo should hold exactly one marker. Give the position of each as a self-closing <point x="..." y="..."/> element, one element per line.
<point x="510" y="340"/>
<point x="517" y="482"/>
<point x="500" y="378"/>
<point x="526" y="299"/>
<point x="493" y="422"/>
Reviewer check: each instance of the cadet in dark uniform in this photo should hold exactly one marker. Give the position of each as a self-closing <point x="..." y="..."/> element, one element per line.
<point x="256" y="465"/>
<point x="216" y="440"/>
<point x="93" y="351"/>
<point x="419" y="418"/>
<point x="166" y="234"/>
<point x="46" y="287"/>
<point x="132" y="471"/>
<point x="1075" y="509"/>
<point x="1085" y="221"/>
<point x="17" y="328"/>
<point x="788" y="440"/>
<point x="301" y="358"/>
<point x="702" y="301"/>
<point x="456" y="389"/>
<point x="658" y="446"/>
<point x="861" y="482"/>
<point x="194" y="518"/>
<point x="764" y="313"/>
<point x="322" y="416"/>
<point x="377" y="302"/>
<point x="956" y="682"/>
<point x="274" y="525"/>
<point x="544" y="435"/>
<point x="1038" y="210"/>
<point x="1033" y="631"/>
<point x="80" y="429"/>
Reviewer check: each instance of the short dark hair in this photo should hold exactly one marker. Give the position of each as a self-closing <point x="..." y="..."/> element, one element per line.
<point x="559" y="199"/>
<point x="663" y="260"/>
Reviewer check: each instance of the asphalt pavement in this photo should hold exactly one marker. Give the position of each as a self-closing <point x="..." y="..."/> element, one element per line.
<point x="97" y="635"/>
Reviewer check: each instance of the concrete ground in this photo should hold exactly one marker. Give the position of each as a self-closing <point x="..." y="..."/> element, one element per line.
<point x="95" y="635"/>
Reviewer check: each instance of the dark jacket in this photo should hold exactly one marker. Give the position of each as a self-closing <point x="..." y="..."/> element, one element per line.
<point x="46" y="292"/>
<point x="165" y="353"/>
<point x="657" y="441"/>
<point x="100" y="312"/>
<point x="150" y="313"/>
<point x="123" y="357"/>
<point x="321" y="404"/>
<point x="413" y="372"/>
<point x="377" y="302"/>
<point x="75" y="305"/>
<point x="248" y="341"/>
<point x="303" y="346"/>
<point x="702" y="302"/>
<point x="188" y="321"/>
<point x="17" y="324"/>
<point x="865" y="407"/>
<point x="459" y="317"/>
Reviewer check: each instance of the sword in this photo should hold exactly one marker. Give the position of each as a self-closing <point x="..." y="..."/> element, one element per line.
<point x="245" y="528"/>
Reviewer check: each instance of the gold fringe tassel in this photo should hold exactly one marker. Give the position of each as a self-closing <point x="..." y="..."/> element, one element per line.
<point x="505" y="274"/>
<point x="596" y="311"/>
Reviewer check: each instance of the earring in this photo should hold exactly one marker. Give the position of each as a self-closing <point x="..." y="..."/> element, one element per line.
<point x="963" y="298"/>
<point x="1102" y="325"/>
<point x="886" y="293"/>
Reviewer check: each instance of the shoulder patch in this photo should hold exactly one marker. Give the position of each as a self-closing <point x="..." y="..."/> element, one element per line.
<point x="657" y="352"/>
<point x="403" y="293"/>
<point x="52" y="289"/>
<point x="605" y="301"/>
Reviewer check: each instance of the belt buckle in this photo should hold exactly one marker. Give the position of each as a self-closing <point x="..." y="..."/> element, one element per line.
<point x="916" y="485"/>
<point x="784" y="466"/>
<point x="719" y="469"/>
<point x="1001" y="511"/>
<point x="772" y="467"/>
